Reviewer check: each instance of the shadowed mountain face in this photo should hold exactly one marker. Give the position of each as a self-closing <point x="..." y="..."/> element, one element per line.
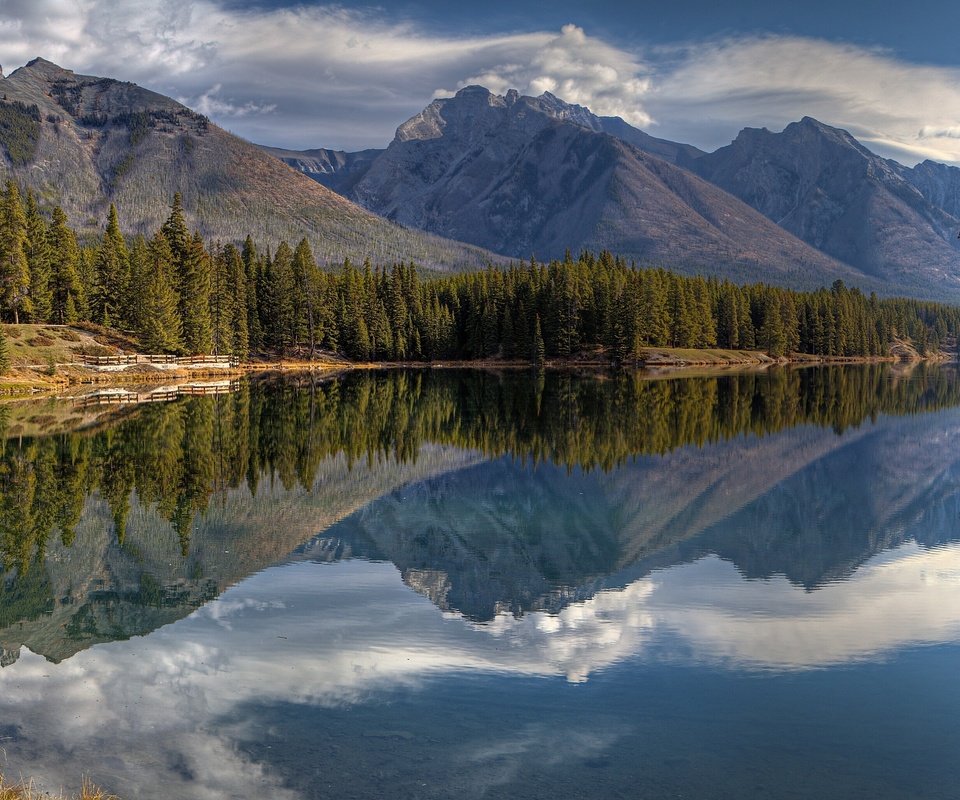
<point x="489" y="493"/>
<point x="896" y="224"/>
<point x="938" y="183"/>
<point x="85" y="142"/>
<point x="534" y="175"/>
<point x="521" y="175"/>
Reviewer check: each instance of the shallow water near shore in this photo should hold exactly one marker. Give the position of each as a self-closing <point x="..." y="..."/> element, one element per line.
<point x="521" y="585"/>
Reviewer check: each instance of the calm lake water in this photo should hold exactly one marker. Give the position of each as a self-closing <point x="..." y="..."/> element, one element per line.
<point x="439" y="584"/>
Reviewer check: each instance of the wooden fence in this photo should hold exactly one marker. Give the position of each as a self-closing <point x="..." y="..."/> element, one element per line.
<point x="186" y="361"/>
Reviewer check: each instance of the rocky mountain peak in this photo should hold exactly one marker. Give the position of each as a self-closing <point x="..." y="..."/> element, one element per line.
<point x="475" y="111"/>
<point x="569" y="112"/>
<point x="474" y="91"/>
<point x="47" y="69"/>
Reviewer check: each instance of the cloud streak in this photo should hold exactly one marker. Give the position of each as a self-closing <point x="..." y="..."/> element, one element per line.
<point x="312" y="76"/>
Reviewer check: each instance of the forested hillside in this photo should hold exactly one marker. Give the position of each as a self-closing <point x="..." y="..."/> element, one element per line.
<point x="179" y="294"/>
<point x="85" y="142"/>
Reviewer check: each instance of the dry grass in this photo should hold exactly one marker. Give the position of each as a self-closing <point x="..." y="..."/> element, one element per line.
<point x="38" y="345"/>
<point x="715" y="356"/>
<point x="26" y="791"/>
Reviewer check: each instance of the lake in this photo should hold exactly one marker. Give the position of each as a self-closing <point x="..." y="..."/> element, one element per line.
<point x="437" y="583"/>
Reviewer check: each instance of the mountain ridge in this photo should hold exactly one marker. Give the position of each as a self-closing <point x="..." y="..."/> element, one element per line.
<point x="821" y="184"/>
<point x="529" y="176"/>
<point x="870" y="220"/>
<point x="85" y="142"/>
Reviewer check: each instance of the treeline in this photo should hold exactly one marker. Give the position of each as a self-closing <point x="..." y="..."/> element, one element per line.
<point x="178" y="294"/>
<point x="177" y="457"/>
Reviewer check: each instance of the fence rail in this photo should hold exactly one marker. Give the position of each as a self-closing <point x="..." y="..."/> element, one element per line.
<point x="187" y="361"/>
<point x="161" y="395"/>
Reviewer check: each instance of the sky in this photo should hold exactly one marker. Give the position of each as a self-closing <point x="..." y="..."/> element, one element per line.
<point x="304" y="75"/>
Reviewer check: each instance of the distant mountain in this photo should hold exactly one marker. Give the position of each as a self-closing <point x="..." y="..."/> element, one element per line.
<point x="335" y="169"/>
<point x="938" y="183"/>
<point x="535" y="176"/>
<point x="85" y="142"/>
<point x="521" y="175"/>
<point x="890" y="222"/>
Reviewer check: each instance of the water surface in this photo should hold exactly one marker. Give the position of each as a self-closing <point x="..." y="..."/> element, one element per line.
<point x="425" y="584"/>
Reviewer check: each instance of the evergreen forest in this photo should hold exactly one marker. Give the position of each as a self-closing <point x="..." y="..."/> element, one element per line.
<point x="178" y="294"/>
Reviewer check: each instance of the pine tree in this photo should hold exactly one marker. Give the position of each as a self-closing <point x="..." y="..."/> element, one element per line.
<point x="237" y="285"/>
<point x="539" y="348"/>
<point x="280" y="328"/>
<point x="773" y="337"/>
<point x="139" y="276"/>
<point x="67" y="296"/>
<point x="160" y="329"/>
<point x="112" y="276"/>
<point x="654" y="320"/>
<point x="251" y="265"/>
<point x="305" y="280"/>
<point x="14" y="268"/>
<point x="38" y="262"/>
<point x="194" y="288"/>
<point x="176" y="231"/>
<point x="221" y="303"/>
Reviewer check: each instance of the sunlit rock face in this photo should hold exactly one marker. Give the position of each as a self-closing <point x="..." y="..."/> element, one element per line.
<point x="96" y="140"/>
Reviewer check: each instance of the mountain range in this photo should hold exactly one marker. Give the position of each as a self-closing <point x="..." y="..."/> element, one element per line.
<point x="535" y="175"/>
<point x="482" y="178"/>
<point x="84" y="142"/>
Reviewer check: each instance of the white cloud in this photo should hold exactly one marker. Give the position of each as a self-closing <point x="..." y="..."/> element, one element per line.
<point x="210" y="104"/>
<point x="578" y="69"/>
<point x="932" y="132"/>
<point x="899" y="109"/>
<point x="313" y="76"/>
<point x="172" y="708"/>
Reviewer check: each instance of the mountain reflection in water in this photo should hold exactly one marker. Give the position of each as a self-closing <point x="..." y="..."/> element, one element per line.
<point x="570" y="528"/>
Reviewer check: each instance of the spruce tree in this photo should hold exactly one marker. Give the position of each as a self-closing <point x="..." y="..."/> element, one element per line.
<point x="773" y="337"/>
<point x="221" y="303"/>
<point x="112" y="276"/>
<point x="176" y="231"/>
<point x="194" y="288"/>
<point x="282" y="301"/>
<point x="39" y="262"/>
<point x="237" y="285"/>
<point x="139" y="276"/>
<point x="305" y="280"/>
<point x="14" y="268"/>
<point x="251" y="265"/>
<point x="160" y="328"/>
<point x="67" y="297"/>
<point x="539" y="348"/>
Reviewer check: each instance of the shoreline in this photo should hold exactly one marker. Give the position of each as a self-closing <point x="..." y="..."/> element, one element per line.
<point x="28" y="382"/>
